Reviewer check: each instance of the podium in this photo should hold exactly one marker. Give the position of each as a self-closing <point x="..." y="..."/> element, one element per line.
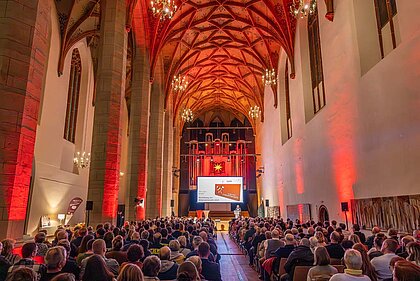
<point x="237" y="213"/>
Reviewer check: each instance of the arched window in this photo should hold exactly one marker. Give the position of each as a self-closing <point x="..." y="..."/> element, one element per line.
<point x="317" y="76"/>
<point x="385" y="12"/>
<point x="73" y="96"/>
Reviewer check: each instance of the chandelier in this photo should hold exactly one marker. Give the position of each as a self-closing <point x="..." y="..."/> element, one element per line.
<point x="81" y="160"/>
<point x="179" y="83"/>
<point x="254" y="112"/>
<point x="302" y="8"/>
<point x="187" y="115"/>
<point x="269" y="78"/>
<point x="165" y="8"/>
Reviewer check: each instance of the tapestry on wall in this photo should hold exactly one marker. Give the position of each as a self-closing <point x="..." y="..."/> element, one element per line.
<point x="302" y="212"/>
<point x="400" y="212"/>
<point x="273" y="212"/>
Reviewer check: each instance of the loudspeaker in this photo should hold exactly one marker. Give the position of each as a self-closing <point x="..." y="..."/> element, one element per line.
<point x="172" y="203"/>
<point x="89" y="205"/>
<point x="267" y="203"/>
<point x="344" y="206"/>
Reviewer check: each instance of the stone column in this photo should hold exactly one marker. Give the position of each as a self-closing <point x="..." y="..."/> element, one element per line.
<point x="155" y="146"/>
<point x="24" y="46"/>
<point x="106" y="142"/>
<point x="176" y="163"/>
<point x="167" y="164"/>
<point x="139" y="133"/>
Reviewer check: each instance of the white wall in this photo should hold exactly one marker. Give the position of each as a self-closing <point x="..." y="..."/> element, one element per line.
<point x="57" y="181"/>
<point x="366" y="141"/>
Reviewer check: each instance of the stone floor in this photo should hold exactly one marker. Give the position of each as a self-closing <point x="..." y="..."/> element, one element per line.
<point x="233" y="264"/>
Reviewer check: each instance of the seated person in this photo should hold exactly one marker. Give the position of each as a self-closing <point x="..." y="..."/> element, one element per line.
<point x="381" y="263"/>
<point x="55" y="260"/>
<point x="211" y="270"/>
<point x="322" y="269"/>
<point x="335" y="250"/>
<point x="168" y="268"/>
<point x="353" y="271"/>
<point x="301" y="255"/>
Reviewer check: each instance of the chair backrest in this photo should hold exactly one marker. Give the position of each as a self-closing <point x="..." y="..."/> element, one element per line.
<point x="339" y="267"/>
<point x="301" y="273"/>
<point x="336" y="261"/>
<point x="281" y="266"/>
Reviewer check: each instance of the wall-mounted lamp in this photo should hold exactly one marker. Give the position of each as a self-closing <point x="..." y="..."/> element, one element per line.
<point x="175" y="172"/>
<point x="139" y="202"/>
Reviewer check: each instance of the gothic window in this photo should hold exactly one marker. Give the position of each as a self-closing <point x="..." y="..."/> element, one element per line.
<point x="73" y="96"/>
<point x="385" y="12"/>
<point x="317" y="76"/>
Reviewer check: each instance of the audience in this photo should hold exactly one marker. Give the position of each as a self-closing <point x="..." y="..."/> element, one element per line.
<point x="322" y="269"/>
<point x="353" y="271"/>
<point x="151" y="250"/>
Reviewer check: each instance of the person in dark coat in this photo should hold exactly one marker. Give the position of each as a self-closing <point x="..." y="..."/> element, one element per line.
<point x="211" y="270"/>
<point x="301" y="255"/>
<point x="168" y="268"/>
<point x="335" y="250"/>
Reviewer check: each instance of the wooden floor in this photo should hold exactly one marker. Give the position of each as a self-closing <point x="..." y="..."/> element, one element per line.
<point x="233" y="264"/>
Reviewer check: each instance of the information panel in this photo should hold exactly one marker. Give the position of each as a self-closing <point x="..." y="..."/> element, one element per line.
<point x="220" y="189"/>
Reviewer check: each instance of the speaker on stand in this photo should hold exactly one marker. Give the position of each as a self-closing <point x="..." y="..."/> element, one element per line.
<point x="89" y="207"/>
<point x="345" y="209"/>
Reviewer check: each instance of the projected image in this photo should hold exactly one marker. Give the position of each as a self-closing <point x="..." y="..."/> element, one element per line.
<point x="220" y="189"/>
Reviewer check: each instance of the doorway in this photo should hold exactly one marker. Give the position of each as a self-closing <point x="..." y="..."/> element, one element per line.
<point x="323" y="214"/>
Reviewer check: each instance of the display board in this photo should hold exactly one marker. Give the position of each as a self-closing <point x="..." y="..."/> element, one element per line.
<point x="220" y="190"/>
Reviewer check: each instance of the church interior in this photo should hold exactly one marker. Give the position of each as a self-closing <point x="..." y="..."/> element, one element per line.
<point x="117" y="111"/>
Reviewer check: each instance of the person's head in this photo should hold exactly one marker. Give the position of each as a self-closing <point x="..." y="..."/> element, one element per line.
<point x="182" y="241"/>
<point x="204" y="250"/>
<point x="145" y="244"/>
<point x="321" y="256"/>
<point x="353" y="259"/>
<point x="376" y="230"/>
<point x="144" y="234"/>
<point x="335" y="237"/>
<point x="356" y="227"/>
<point x="289" y="239"/>
<point x="151" y="266"/>
<point x="22" y="274"/>
<point x="29" y="250"/>
<point x="406" y="271"/>
<point x="313" y="243"/>
<point x="413" y="250"/>
<point x="389" y="246"/>
<point x="393" y="261"/>
<point x="135" y="236"/>
<point x="174" y="245"/>
<point x="275" y="233"/>
<point x="40" y="237"/>
<point x="392" y="233"/>
<point x="66" y="245"/>
<point x="96" y="270"/>
<point x="320" y="236"/>
<point x="407" y="239"/>
<point x="108" y="237"/>
<point x="64" y="277"/>
<point x="203" y="235"/>
<point x="378" y="241"/>
<point x="311" y="231"/>
<point x="354" y="238"/>
<point x="83" y="246"/>
<point x="62" y="234"/>
<point x="117" y="243"/>
<point x="305" y="242"/>
<point x="197" y="262"/>
<point x="82" y="232"/>
<point x="197" y="240"/>
<point x="130" y="272"/>
<point x="187" y="271"/>
<point x="99" y="247"/>
<point x="8" y="246"/>
<point x="55" y="259"/>
<point x="347" y="244"/>
<point x="165" y="253"/>
<point x="135" y="253"/>
<point x="157" y="237"/>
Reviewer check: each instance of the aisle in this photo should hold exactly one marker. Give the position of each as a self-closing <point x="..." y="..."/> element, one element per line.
<point x="233" y="264"/>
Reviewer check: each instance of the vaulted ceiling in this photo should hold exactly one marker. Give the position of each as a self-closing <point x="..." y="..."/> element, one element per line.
<point x="223" y="47"/>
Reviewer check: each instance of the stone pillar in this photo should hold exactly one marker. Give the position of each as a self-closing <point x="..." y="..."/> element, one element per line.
<point x="167" y="164"/>
<point x="155" y="146"/>
<point x="24" y="46"/>
<point x="106" y="142"/>
<point x="139" y="133"/>
<point x="176" y="163"/>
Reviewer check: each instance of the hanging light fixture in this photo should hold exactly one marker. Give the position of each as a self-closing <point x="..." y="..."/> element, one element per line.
<point x="269" y="78"/>
<point x="187" y="115"/>
<point x="302" y="8"/>
<point x="164" y="8"/>
<point x="254" y="112"/>
<point x="81" y="160"/>
<point x="179" y="83"/>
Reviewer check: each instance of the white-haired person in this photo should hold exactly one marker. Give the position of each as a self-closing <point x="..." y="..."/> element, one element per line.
<point x="353" y="271"/>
